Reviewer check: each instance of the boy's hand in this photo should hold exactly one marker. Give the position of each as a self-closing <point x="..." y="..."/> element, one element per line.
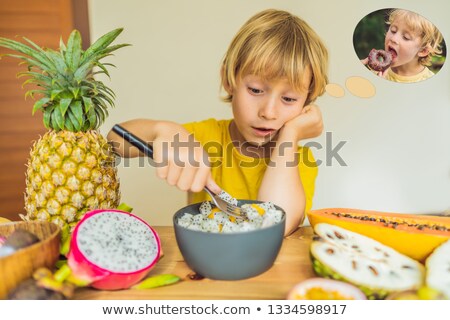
<point x="307" y="125"/>
<point x="182" y="162"/>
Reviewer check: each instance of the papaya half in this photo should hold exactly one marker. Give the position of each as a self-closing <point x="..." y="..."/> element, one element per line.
<point x="413" y="235"/>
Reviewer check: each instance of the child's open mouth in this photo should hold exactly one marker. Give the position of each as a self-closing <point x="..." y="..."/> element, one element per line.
<point x="262" y="132"/>
<point x="392" y="52"/>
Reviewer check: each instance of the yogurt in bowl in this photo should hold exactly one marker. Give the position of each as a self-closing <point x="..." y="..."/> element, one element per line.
<point x="216" y="247"/>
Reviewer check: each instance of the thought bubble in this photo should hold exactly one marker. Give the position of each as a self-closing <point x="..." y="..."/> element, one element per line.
<point x="360" y="87"/>
<point x="335" y="90"/>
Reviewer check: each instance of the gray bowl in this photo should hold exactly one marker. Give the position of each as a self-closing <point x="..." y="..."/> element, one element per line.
<point x="229" y="256"/>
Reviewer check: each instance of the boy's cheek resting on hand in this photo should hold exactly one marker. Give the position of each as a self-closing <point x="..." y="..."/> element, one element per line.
<point x="307" y="125"/>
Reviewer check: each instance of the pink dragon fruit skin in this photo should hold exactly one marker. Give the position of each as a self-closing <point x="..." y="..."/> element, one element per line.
<point x="100" y="278"/>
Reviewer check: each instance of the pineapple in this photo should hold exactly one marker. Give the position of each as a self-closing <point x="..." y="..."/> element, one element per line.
<point x="71" y="167"/>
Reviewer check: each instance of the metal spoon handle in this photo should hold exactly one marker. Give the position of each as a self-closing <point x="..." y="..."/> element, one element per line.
<point x="134" y="140"/>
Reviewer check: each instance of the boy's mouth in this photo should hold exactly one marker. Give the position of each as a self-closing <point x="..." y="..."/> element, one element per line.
<point x="262" y="132"/>
<point x="392" y="52"/>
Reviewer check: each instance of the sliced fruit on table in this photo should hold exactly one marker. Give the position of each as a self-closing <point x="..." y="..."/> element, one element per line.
<point x="71" y="167"/>
<point x="413" y="235"/>
<point x="110" y="250"/>
<point x="438" y="269"/>
<point x="325" y="289"/>
<point x="376" y="269"/>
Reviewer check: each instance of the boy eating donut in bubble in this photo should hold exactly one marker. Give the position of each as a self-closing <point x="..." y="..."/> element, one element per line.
<point x="412" y="41"/>
<point x="273" y="70"/>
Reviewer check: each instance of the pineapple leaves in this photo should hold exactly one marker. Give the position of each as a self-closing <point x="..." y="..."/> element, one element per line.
<point x="77" y="111"/>
<point x="47" y="117"/>
<point x="68" y="125"/>
<point x="40" y="104"/>
<point x="92" y="119"/>
<point x="103" y="42"/>
<point x="69" y="95"/>
<point x="57" y="119"/>
<point x="55" y="93"/>
<point x="39" y="58"/>
<point x="64" y="105"/>
<point x="88" y="104"/>
<point x="74" y="121"/>
<point x="74" y="51"/>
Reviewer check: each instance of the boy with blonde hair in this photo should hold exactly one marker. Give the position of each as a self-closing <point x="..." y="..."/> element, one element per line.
<point x="275" y="67"/>
<point x="412" y="41"/>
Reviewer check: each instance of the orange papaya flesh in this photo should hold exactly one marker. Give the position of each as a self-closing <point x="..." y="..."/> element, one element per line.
<point x="413" y="235"/>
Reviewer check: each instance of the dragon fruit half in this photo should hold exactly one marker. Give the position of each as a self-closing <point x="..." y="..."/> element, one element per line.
<point x="112" y="249"/>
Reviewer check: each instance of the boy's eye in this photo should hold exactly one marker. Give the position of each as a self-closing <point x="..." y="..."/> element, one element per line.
<point x="254" y="90"/>
<point x="290" y="100"/>
<point x="407" y="37"/>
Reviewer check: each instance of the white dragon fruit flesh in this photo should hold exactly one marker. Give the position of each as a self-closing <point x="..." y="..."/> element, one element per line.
<point x="112" y="249"/>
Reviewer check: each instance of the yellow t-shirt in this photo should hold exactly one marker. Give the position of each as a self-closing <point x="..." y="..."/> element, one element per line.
<point x="423" y="75"/>
<point x="240" y="175"/>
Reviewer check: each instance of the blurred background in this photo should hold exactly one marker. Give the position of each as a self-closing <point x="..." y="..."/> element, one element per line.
<point x="396" y="144"/>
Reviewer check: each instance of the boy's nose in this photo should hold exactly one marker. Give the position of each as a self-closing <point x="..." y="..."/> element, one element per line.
<point x="268" y="110"/>
<point x="394" y="38"/>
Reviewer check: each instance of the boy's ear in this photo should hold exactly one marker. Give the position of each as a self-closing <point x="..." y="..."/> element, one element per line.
<point x="225" y="83"/>
<point x="424" y="51"/>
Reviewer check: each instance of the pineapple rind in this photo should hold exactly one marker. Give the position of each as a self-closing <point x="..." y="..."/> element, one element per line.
<point x="80" y="178"/>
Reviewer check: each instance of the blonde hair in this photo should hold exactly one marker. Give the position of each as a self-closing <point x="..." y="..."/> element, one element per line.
<point x="275" y="44"/>
<point x="431" y="37"/>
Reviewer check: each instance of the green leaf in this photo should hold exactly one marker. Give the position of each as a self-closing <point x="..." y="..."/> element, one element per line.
<point x="58" y="61"/>
<point x="64" y="105"/>
<point x="73" y="119"/>
<point x="82" y="72"/>
<point x="87" y="104"/>
<point x="77" y="110"/>
<point x="47" y="116"/>
<point x="62" y="46"/>
<point x="30" y="93"/>
<point x="101" y="43"/>
<point x="36" y="75"/>
<point x="54" y="94"/>
<point x="68" y="124"/>
<point x="74" y="50"/>
<point x="22" y="48"/>
<point x="30" y="62"/>
<point x="58" y="119"/>
<point x="104" y="70"/>
<point x="40" y="104"/>
<point x="75" y="91"/>
<point x="92" y="118"/>
<point x="37" y="82"/>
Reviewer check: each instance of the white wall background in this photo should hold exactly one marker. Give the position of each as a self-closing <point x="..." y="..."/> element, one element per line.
<point x="398" y="142"/>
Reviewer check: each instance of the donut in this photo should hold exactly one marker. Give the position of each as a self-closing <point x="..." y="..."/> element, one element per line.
<point x="379" y="60"/>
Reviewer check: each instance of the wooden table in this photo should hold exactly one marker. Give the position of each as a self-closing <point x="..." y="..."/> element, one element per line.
<point x="291" y="266"/>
